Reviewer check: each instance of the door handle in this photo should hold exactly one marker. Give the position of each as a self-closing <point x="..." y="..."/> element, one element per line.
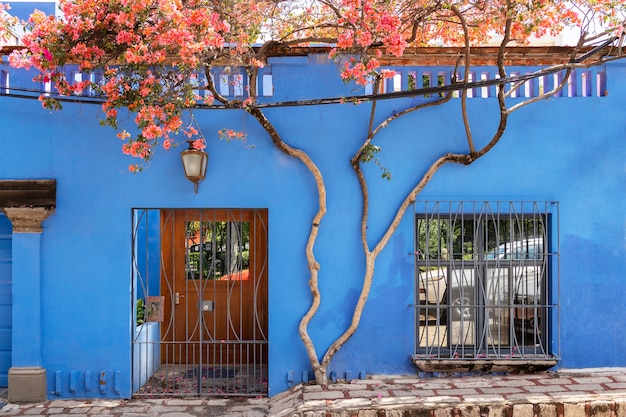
<point x="178" y="297"/>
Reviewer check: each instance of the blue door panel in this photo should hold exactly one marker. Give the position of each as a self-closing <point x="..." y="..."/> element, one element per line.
<point x="5" y="340"/>
<point x="5" y="299"/>
<point x="5" y="363"/>
<point x="5" y="317"/>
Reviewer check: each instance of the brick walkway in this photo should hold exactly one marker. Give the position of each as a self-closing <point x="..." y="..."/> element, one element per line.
<point x="582" y="393"/>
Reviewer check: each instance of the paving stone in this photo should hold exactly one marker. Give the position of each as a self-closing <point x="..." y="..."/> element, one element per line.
<point x="569" y="397"/>
<point x="615" y="393"/>
<point x="352" y="403"/>
<point x="290" y="399"/>
<point x="368" y="394"/>
<point x="315" y="404"/>
<point x="75" y="403"/>
<point x="54" y="410"/>
<point x="158" y="409"/>
<point x="619" y="376"/>
<point x="131" y="415"/>
<point x="553" y="381"/>
<point x="309" y="388"/>
<point x="254" y="413"/>
<point x="425" y="393"/>
<point x="472" y="384"/>
<point x="95" y="411"/>
<point x="142" y="408"/>
<point x="592" y="380"/>
<point x="327" y="395"/>
<point x="437" y="385"/>
<point x="483" y="398"/>
<point x="63" y="415"/>
<point x="458" y="392"/>
<point x="374" y="381"/>
<point x="190" y="402"/>
<point x="405" y="393"/>
<point x="585" y="387"/>
<point x="396" y="400"/>
<point x="511" y="383"/>
<point x="405" y="381"/>
<point x="342" y="387"/>
<point x="146" y="400"/>
<point x="529" y="398"/>
<point x="10" y="409"/>
<point x="616" y="385"/>
<point x="544" y="388"/>
<point x="285" y="406"/>
<point x="38" y="411"/>
<point x="176" y="414"/>
<point x="501" y="390"/>
<point x="440" y="399"/>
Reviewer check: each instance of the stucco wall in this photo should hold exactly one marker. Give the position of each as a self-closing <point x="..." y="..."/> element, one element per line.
<point x="569" y="149"/>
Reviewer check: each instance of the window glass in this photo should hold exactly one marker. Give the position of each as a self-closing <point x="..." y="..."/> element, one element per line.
<point x="217" y="250"/>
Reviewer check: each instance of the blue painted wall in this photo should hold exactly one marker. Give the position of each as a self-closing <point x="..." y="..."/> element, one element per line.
<point x="569" y="149"/>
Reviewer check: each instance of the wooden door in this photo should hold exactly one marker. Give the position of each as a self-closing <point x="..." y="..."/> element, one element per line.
<point x="214" y="283"/>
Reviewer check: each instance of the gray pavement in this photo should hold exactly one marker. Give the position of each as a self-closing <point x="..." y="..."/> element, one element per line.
<point x="580" y="393"/>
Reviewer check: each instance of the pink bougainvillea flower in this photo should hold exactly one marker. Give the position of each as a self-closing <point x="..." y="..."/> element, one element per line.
<point x="146" y="39"/>
<point x="198" y="144"/>
<point x="47" y="55"/>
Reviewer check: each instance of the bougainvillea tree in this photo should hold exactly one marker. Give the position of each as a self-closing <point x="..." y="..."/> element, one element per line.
<point x="148" y="52"/>
<point x="7" y="22"/>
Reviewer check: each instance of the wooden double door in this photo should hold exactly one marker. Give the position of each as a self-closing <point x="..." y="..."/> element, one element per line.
<point x="214" y="286"/>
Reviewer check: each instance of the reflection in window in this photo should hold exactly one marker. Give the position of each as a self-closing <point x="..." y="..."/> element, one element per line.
<point x="217" y="250"/>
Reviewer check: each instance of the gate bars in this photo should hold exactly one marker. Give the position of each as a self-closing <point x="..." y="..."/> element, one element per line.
<point x="199" y="302"/>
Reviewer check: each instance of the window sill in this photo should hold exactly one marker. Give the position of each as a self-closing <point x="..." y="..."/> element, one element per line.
<point x="484" y="365"/>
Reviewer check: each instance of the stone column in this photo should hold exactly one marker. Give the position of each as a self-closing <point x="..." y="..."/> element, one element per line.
<point x="27" y="377"/>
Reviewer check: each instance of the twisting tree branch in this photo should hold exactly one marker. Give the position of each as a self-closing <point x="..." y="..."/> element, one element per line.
<point x="466" y="123"/>
<point x="313" y="265"/>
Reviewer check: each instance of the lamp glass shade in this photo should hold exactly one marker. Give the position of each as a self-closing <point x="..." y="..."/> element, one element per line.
<point x="195" y="164"/>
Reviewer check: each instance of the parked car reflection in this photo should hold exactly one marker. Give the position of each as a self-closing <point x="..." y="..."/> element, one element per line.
<point x="509" y="277"/>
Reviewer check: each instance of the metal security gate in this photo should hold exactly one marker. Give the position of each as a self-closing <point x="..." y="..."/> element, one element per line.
<point x="200" y="302"/>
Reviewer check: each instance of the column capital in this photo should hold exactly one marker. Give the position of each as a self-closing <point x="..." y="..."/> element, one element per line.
<point x="27" y="219"/>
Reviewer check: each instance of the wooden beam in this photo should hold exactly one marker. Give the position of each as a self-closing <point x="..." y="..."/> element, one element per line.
<point x="28" y="193"/>
<point x="440" y="56"/>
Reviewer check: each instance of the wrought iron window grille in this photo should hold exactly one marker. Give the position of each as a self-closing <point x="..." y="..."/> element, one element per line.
<point x="486" y="280"/>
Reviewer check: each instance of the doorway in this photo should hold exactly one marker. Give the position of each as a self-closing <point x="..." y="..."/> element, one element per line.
<point x="209" y="306"/>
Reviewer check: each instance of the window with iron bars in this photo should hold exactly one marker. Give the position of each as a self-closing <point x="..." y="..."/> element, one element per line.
<point x="486" y="284"/>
